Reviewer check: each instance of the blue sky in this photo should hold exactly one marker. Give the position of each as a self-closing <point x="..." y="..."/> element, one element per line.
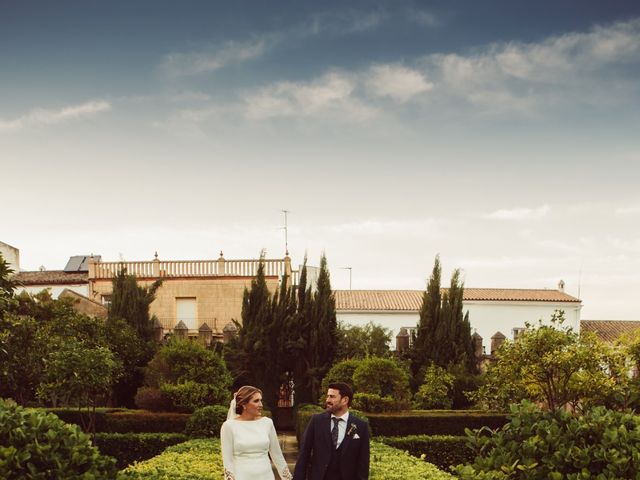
<point x="500" y="134"/>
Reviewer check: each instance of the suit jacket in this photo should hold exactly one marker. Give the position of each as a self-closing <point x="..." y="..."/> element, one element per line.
<point x="315" y="452"/>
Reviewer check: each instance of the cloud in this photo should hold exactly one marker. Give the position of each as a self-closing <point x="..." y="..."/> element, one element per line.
<point x="524" y="76"/>
<point x="331" y="93"/>
<point x="214" y="58"/>
<point x="340" y="23"/>
<point x="628" y="210"/>
<point x="423" y="18"/>
<point x="395" y="81"/>
<point x="41" y="116"/>
<point x="380" y="227"/>
<point x="519" y="214"/>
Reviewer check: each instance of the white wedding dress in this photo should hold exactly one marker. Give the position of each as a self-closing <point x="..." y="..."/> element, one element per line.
<point x="246" y="446"/>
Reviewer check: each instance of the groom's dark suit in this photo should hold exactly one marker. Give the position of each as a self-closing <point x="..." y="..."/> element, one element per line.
<point x="319" y="460"/>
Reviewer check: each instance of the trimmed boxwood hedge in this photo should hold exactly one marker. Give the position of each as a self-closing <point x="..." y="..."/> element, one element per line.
<point x="433" y="422"/>
<point x="127" y="448"/>
<point x="126" y="421"/>
<point x="201" y="460"/>
<point x="441" y="450"/>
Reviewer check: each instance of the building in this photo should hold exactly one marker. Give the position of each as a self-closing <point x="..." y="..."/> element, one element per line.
<point x="493" y="312"/>
<point x="610" y="330"/>
<point x="11" y="256"/>
<point x="74" y="277"/>
<point x="202" y="294"/>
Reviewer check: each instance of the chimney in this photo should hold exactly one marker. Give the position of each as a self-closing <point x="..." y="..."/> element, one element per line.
<point x="477" y="345"/>
<point x="561" y="286"/>
<point x="496" y="341"/>
<point x="402" y="340"/>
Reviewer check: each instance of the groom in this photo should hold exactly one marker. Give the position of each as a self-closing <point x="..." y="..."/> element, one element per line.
<point x="336" y="443"/>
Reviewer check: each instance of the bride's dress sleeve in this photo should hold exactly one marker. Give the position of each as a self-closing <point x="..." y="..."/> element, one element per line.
<point x="276" y="454"/>
<point x="226" y="445"/>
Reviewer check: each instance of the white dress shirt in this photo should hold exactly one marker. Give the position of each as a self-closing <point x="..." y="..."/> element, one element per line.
<point x="342" y="427"/>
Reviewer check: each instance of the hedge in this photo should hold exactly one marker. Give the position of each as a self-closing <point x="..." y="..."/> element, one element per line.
<point x="200" y="460"/>
<point x="125" y="421"/>
<point x="441" y="450"/>
<point x="127" y="448"/>
<point x="433" y="422"/>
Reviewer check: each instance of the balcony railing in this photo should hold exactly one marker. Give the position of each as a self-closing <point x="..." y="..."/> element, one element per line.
<point x="193" y="268"/>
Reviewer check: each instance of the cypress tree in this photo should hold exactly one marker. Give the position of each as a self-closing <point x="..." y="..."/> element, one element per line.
<point x="323" y="329"/>
<point x="444" y="332"/>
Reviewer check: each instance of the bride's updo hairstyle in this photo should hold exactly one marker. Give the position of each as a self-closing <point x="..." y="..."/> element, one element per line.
<point x="244" y="395"/>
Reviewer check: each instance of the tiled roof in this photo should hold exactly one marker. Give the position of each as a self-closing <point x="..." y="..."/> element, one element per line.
<point x="609" y="330"/>
<point x="50" y="277"/>
<point x="411" y="300"/>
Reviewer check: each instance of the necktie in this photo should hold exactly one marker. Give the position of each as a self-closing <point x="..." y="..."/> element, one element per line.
<point x="334" y="431"/>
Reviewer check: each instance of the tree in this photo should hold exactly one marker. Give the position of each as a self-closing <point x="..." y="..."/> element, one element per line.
<point x="362" y="341"/>
<point x="77" y="375"/>
<point x="7" y="285"/>
<point x="323" y="329"/>
<point x="131" y="302"/>
<point x="444" y="332"/>
<point x="551" y="365"/>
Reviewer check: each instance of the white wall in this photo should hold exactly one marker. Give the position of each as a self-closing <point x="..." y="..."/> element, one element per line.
<point x="486" y="318"/>
<point x="55" y="290"/>
<point x="11" y="255"/>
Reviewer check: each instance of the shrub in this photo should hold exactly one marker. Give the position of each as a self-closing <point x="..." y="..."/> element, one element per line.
<point x="383" y="377"/>
<point x="141" y="421"/>
<point x="34" y="444"/>
<point x="340" y="372"/>
<point x="193" y="460"/>
<point x="436" y="389"/>
<point x="206" y="421"/>
<point x="153" y="399"/>
<point x="433" y="422"/>
<point x="303" y="417"/>
<point x="127" y="448"/>
<point x="441" y="450"/>
<point x="539" y="444"/>
<point x="388" y="463"/>
<point x="190" y="374"/>
<point x="372" y="402"/>
<point x="201" y="460"/>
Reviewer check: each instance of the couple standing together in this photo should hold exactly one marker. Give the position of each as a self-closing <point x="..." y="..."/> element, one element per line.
<point x="335" y="445"/>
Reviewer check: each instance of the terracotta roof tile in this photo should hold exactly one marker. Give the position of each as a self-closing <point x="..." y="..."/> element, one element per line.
<point x="609" y="330"/>
<point x="51" y="277"/>
<point x="411" y="300"/>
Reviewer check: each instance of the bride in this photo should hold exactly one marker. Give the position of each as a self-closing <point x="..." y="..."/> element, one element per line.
<point x="247" y="437"/>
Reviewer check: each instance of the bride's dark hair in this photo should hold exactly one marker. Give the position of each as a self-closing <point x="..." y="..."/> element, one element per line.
<point x="243" y="396"/>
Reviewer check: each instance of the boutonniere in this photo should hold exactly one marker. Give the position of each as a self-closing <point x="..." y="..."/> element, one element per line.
<point x="353" y="428"/>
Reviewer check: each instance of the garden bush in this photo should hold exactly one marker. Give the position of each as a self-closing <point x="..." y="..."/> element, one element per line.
<point x="441" y="450"/>
<point x="539" y="444"/>
<point x="141" y="421"/>
<point x="198" y="459"/>
<point x="436" y="390"/>
<point x="340" y="372"/>
<point x="38" y="445"/>
<point x="433" y="422"/>
<point x="384" y="377"/>
<point x="372" y="402"/>
<point x="153" y="399"/>
<point x="388" y="463"/>
<point x="201" y="460"/>
<point x="206" y="421"/>
<point x="127" y="448"/>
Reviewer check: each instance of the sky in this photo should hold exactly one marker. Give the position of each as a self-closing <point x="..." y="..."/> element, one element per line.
<point x="501" y="135"/>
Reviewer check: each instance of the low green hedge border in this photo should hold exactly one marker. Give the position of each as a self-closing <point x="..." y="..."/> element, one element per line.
<point x="127" y="448"/>
<point x="433" y="422"/>
<point x="441" y="450"/>
<point x="201" y="460"/>
<point x="127" y="421"/>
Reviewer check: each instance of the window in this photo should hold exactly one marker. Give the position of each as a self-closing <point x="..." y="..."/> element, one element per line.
<point x="186" y="312"/>
<point x="106" y="300"/>
<point x="517" y="332"/>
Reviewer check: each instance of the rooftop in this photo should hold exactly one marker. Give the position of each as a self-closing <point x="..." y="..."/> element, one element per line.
<point x="609" y="330"/>
<point x="51" y="277"/>
<point x="411" y="300"/>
